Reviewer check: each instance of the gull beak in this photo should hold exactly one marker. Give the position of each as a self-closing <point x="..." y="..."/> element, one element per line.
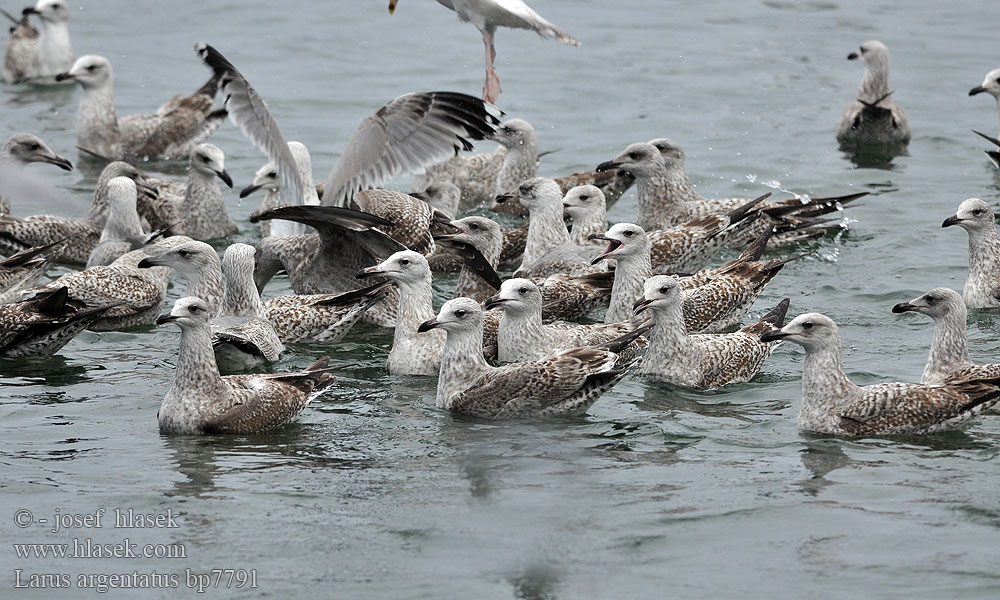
<point x="55" y="159"/>
<point x="952" y="220"/>
<point x="495" y="301"/>
<point x="613" y="245"/>
<point x="392" y="6"/>
<point x="64" y="77"/>
<point x="773" y="335"/>
<point x="248" y="190"/>
<point x="224" y="176"/>
<point x="853" y="56"/>
<point x="30" y="11"/>
<point x="428" y="325"/>
<point x="607" y="166"/>
<point x="641" y="305"/>
<point x="165" y="318"/>
<point x="151" y="261"/>
<point x="368" y="272"/>
<point x="903" y="307"/>
<point x="500" y="199"/>
<point x="146" y="190"/>
<point x="977" y="90"/>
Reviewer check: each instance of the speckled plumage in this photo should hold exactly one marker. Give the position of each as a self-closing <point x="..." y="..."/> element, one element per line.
<point x="242" y="335"/>
<point x="23" y="269"/>
<point x="172" y="131"/>
<point x="198" y="263"/>
<point x="201" y="401"/>
<point x="613" y="183"/>
<point x="122" y="231"/>
<point x="833" y="404"/>
<point x="320" y="317"/>
<point x="411" y="217"/>
<point x="477" y="246"/>
<point x="565" y="384"/>
<point x="873" y="118"/>
<point x="982" y="288"/>
<point x="20" y="51"/>
<point x="704" y="360"/>
<point x="196" y="208"/>
<point x="41" y="326"/>
<point x="572" y="297"/>
<point x="546" y="228"/>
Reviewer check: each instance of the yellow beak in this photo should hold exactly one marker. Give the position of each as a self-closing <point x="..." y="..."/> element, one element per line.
<point x="392" y="6"/>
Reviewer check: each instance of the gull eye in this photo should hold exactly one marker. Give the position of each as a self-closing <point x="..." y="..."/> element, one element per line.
<point x="203" y="158"/>
<point x="930" y="299"/>
<point x="585" y="197"/>
<point x="194" y="309"/>
<point x="460" y="313"/>
<point x="33" y="146"/>
<point x="184" y="253"/>
<point x="473" y="226"/>
<point x="273" y="174"/>
<point x="404" y="261"/>
<point x="633" y="155"/>
<point x="862" y="48"/>
<point x="522" y="291"/>
<point x="663" y="290"/>
<point x="807" y="325"/>
<point x="91" y="68"/>
<point x="629" y="233"/>
<point x="977" y="212"/>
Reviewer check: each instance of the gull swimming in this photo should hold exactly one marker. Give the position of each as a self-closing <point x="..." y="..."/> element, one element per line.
<point x="833" y="404"/>
<point x="242" y="335"/>
<point x="704" y="360"/>
<point x="196" y="208"/>
<point x="202" y="401"/>
<point x="982" y="288"/>
<point x="477" y="245"/>
<point x="22" y="149"/>
<point x="487" y="15"/>
<point x="567" y="383"/>
<point x="173" y="130"/>
<point x="123" y="231"/>
<point x="990" y="85"/>
<point x="200" y="266"/>
<point x="38" y="56"/>
<point x="42" y="325"/>
<point x="873" y="118"/>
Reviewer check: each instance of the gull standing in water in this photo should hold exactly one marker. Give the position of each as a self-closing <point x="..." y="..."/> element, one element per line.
<point x="202" y="401"/>
<point x="833" y="404"/>
<point x="873" y="119"/>
<point x="22" y="149"/>
<point x="173" y="130"/>
<point x="487" y="15"/>
<point x="39" y="56"/>
<point x="982" y="288"/>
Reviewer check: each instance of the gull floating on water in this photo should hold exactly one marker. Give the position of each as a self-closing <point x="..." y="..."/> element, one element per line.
<point x="567" y="383"/>
<point x="267" y="177"/>
<point x="200" y="266"/>
<point x="173" y="130"/>
<point x="22" y="149"/>
<point x="982" y="288"/>
<point x="242" y="335"/>
<point x="40" y="326"/>
<point x="833" y="404"/>
<point x="196" y="208"/>
<point x="703" y="360"/>
<point x="202" y="401"/>
<point x="38" y="56"/>
<point x="873" y="118"/>
<point x="487" y="15"/>
<point x="320" y="317"/>
<point x="476" y="244"/>
<point x="123" y="231"/>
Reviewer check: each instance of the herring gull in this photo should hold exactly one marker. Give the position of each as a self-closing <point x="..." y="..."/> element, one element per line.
<point x="196" y="208"/>
<point x="982" y="288"/>
<point x="25" y="268"/>
<point x="22" y="149"/>
<point x="38" y="56"/>
<point x="873" y="118"/>
<point x="40" y="326"/>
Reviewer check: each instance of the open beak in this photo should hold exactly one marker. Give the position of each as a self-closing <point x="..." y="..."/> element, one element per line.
<point x="224" y="176"/>
<point x="903" y="307"/>
<point x="369" y="272"/>
<point x="641" y="305"/>
<point x="613" y="245"/>
<point x="495" y="301"/>
<point x="773" y="335"/>
<point x="165" y="318"/>
<point x="977" y="90"/>
<point x="249" y="190"/>
<point x="392" y="6"/>
<point x="952" y="220"/>
<point x="853" y="56"/>
<point x="607" y="166"/>
<point x="428" y="325"/>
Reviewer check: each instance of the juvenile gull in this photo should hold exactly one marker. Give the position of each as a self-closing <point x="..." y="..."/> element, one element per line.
<point x="41" y="326"/>
<point x="122" y="232"/>
<point x="949" y="356"/>
<point x="567" y="383"/>
<point x="406" y="135"/>
<point x="173" y="130"/>
<point x="201" y="401"/>
<point x="477" y="245"/>
<point x="982" y="288"/>
<point x="667" y="197"/>
<point x="873" y="119"/>
<point x="587" y="209"/>
<point x="200" y="266"/>
<point x="22" y="149"/>
<point x="487" y="15"/>
<point x="613" y="183"/>
<point x="546" y="227"/>
<point x="443" y="196"/>
<point x="993" y="154"/>
<point x="196" y="208"/>
<point x="990" y="85"/>
<point x="629" y="246"/>
<point x="320" y="317"/>
<point x="522" y="335"/>
<point x="705" y="360"/>
<point x="39" y="56"/>
<point x="411" y="218"/>
<point x="242" y="335"/>
<point x="25" y="268"/>
<point x="833" y="404"/>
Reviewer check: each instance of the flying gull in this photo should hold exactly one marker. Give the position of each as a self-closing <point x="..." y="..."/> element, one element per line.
<point x="873" y="119"/>
<point x="202" y="401"/>
<point x="487" y="15"/>
<point x="833" y="404"/>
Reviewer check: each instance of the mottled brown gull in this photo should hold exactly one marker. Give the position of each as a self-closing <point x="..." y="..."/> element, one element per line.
<point x="196" y="208"/>
<point x="320" y="317"/>
<point x="173" y="130"/>
<point x="487" y="15"/>
<point x="199" y="264"/>
<point x="703" y="360"/>
<point x="38" y="56"/>
<point x="42" y="325"/>
<point x="202" y="401"/>
<point x="833" y="404"/>
<point x="476" y="245"/>
<point x="566" y="383"/>
<point x="982" y="288"/>
<point x="25" y="268"/>
<point x="873" y="118"/>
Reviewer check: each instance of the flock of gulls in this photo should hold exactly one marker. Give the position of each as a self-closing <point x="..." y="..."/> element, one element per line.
<point x="586" y="303"/>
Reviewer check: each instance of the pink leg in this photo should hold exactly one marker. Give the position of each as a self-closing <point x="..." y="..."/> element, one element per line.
<point x="492" y="87"/>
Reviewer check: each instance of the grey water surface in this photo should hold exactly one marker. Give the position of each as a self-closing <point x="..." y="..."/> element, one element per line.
<point x="656" y="493"/>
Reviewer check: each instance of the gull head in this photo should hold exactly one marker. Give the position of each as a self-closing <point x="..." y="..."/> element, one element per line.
<point x="266" y="178"/>
<point x="873" y="53"/>
<point x="812" y="331"/>
<point x="122" y="195"/>
<point x="660" y="292"/>
<point x="123" y="169"/>
<point x="209" y="160"/>
<point x="583" y="201"/>
<point x="403" y="267"/>
<point x="26" y="148"/>
<point x="624" y="240"/>
<point x="539" y="192"/>
<point x="50" y="11"/>
<point x="517" y="296"/>
<point x="973" y="215"/>
<point x="188" y="312"/>
<point x="442" y="195"/>
<point x="936" y="304"/>
<point x="640" y="159"/>
<point x="461" y="315"/>
<point x="515" y="133"/>
<point x="482" y="233"/>
<point x="189" y="258"/>
<point x="670" y="151"/>
<point x="990" y="85"/>
<point x="90" y="71"/>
